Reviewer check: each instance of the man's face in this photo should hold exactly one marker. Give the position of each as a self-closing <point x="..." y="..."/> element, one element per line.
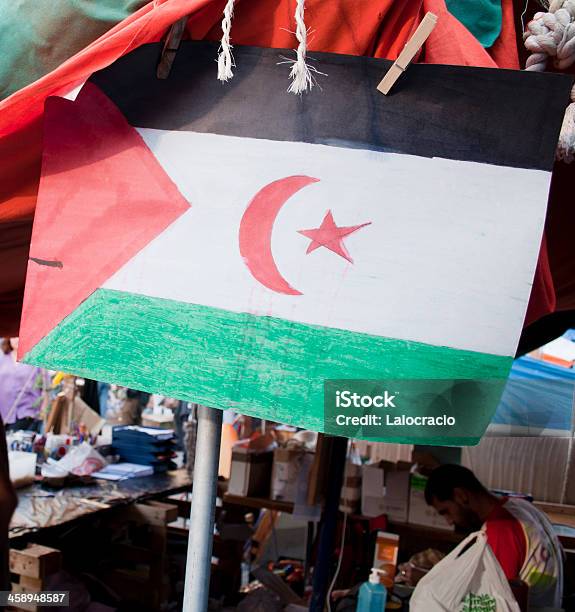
<point x="457" y="511"/>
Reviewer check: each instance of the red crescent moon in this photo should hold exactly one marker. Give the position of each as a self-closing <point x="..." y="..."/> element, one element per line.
<point x="256" y="231"/>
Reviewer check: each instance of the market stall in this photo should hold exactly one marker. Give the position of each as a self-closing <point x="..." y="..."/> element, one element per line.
<point x="281" y="487"/>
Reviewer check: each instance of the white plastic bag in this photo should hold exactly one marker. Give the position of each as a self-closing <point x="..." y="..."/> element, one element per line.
<point x="472" y="581"/>
<point x="81" y="460"/>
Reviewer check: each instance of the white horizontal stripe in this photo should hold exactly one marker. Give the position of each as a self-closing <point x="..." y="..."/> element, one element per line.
<point x="448" y="259"/>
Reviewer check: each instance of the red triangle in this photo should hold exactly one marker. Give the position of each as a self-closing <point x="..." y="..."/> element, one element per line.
<point x="103" y="197"/>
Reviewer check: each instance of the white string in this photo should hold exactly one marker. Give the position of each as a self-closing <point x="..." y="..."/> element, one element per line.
<point x="523" y="16"/>
<point x="338" y="568"/>
<point x="342" y="546"/>
<point x="300" y="72"/>
<point x="225" y="56"/>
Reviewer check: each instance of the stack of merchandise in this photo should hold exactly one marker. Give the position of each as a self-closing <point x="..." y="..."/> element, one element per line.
<point x="123" y="471"/>
<point x="148" y="446"/>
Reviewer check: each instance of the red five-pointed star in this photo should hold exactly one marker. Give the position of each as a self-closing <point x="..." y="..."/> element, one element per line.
<point x="330" y="236"/>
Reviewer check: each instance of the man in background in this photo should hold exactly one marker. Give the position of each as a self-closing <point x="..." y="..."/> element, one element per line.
<point x="23" y="390"/>
<point x="520" y="535"/>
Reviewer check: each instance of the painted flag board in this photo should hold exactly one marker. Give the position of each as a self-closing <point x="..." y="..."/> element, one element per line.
<point x="239" y="246"/>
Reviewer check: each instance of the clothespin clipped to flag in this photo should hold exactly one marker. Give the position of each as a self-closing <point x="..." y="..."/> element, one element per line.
<point x="171" y="46"/>
<point x="412" y="46"/>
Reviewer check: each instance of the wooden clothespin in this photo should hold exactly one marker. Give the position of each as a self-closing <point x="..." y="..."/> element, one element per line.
<point x="413" y="45"/>
<point x="171" y="46"/>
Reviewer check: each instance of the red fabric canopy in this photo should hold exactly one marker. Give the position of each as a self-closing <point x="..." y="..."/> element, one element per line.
<point x="357" y="27"/>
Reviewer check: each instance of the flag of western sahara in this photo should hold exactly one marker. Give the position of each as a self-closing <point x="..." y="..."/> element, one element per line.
<point x="237" y="246"/>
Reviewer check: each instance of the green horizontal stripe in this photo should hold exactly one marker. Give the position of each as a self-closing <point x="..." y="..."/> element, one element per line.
<point x="260" y="366"/>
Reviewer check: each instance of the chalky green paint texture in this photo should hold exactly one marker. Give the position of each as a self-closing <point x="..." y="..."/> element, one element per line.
<point x="261" y="366"/>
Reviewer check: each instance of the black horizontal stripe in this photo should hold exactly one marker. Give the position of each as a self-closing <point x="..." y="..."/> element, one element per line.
<point x="504" y="117"/>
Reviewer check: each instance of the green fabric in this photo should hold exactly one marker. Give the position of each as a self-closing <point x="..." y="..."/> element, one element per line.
<point x="481" y="17"/>
<point x="261" y="366"/>
<point x="36" y="36"/>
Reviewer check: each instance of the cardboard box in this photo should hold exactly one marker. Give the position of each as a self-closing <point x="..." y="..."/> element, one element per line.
<point x="419" y="512"/>
<point x="385" y="557"/>
<point x="385" y="490"/>
<point x="63" y="413"/>
<point x="287" y="474"/>
<point x="396" y="498"/>
<point x="372" y="490"/>
<point x="163" y="421"/>
<point x="250" y="473"/>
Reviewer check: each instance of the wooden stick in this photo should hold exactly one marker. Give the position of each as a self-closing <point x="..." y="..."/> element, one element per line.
<point x="413" y="45"/>
<point x="54" y="420"/>
<point x="171" y="47"/>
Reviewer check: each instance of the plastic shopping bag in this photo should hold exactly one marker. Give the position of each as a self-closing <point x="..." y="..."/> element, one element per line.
<point x="81" y="460"/>
<point x="469" y="581"/>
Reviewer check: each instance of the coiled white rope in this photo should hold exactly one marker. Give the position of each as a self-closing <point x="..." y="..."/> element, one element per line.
<point x="225" y="56"/>
<point x="548" y="36"/>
